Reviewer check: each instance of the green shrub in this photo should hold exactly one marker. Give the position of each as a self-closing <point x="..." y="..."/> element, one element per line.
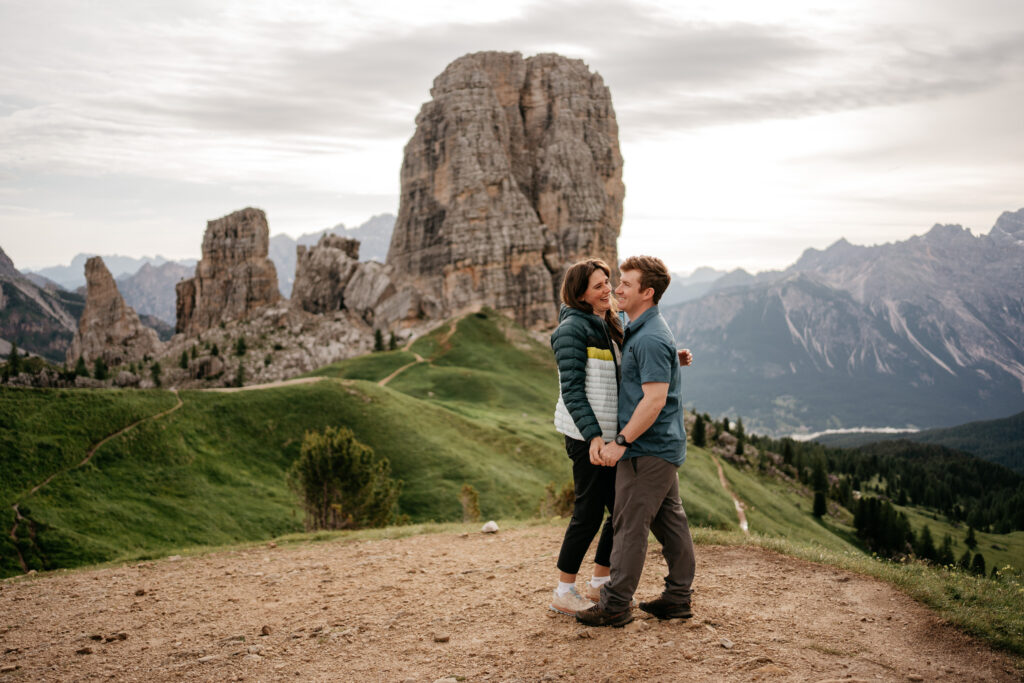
<point x="342" y="483"/>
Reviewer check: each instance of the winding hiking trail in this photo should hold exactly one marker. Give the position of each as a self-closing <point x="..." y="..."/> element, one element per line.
<point x="470" y="606"/>
<point x="419" y="359"/>
<point x="396" y="373"/>
<point x="18" y="519"/>
<point x="740" y="514"/>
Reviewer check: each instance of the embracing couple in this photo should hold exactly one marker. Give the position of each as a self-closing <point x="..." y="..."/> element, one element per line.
<point x="620" y="409"/>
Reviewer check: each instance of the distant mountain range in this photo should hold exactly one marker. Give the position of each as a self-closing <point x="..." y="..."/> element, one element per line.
<point x="999" y="441"/>
<point x="39" y="319"/>
<point x="927" y="332"/>
<point x="72" y="276"/>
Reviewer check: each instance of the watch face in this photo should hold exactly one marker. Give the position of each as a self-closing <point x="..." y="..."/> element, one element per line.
<point x="620" y="439"/>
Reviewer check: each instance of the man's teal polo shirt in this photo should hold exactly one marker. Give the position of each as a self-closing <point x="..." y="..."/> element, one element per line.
<point x="649" y="355"/>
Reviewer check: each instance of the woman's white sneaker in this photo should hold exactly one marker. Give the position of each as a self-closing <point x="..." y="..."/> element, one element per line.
<point x="570" y="603"/>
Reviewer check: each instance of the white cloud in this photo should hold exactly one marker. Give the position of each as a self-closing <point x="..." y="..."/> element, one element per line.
<point x="749" y="130"/>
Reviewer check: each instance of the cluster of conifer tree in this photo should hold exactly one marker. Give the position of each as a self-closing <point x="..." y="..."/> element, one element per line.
<point x="965" y="489"/>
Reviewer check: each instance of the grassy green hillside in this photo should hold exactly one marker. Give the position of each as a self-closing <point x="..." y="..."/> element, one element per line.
<point x="477" y="409"/>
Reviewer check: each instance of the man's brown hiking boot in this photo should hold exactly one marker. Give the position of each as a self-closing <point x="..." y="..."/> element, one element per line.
<point x="595" y="616"/>
<point x="667" y="610"/>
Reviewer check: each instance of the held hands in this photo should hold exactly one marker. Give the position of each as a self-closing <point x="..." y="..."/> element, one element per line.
<point x="610" y="454"/>
<point x="595" y="450"/>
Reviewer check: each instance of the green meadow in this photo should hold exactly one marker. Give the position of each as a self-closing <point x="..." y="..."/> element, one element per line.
<point x="477" y="410"/>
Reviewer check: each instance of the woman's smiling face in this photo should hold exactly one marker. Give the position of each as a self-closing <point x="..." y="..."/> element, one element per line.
<point x="598" y="293"/>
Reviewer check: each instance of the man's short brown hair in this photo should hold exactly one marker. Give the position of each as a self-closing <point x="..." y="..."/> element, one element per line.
<point x="653" y="274"/>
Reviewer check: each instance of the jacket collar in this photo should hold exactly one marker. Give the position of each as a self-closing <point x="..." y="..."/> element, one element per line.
<point x="570" y="312"/>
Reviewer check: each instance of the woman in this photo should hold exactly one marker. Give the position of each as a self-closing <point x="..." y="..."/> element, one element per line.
<point x="586" y="345"/>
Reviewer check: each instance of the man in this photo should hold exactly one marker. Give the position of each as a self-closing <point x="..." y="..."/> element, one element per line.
<point x="647" y="452"/>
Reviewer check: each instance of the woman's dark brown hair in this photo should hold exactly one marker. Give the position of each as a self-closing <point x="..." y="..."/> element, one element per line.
<point x="577" y="278"/>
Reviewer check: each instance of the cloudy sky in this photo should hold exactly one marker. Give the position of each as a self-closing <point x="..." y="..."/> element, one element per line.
<point x="750" y="130"/>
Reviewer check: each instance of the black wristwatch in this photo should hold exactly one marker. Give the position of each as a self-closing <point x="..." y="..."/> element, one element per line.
<point x="621" y="441"/>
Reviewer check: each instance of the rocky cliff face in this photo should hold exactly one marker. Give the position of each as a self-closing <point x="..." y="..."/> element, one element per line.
<point x="109" y="328"/>
<point x="513" y="173"/>
<point x="322" y="273"/>
<point x="373" y="236"/>
<point x="329" y="277"/>
<point x="234" y="276"/>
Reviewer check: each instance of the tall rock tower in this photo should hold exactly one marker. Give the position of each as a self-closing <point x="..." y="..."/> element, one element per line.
<point x="233" y="277"/>
<point x="513" y="173"/>
<point x="109" y="328"/>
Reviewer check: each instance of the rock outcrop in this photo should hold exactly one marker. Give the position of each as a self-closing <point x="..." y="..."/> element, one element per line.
<point x="234" y="276"/>
<point x="109" y="328"/>
<point x="322" y="272"/>
<point x="329" y="277"/>
<point x="513" y="173"/>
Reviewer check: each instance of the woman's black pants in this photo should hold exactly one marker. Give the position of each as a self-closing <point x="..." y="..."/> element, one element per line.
<point x="595" y="493"/>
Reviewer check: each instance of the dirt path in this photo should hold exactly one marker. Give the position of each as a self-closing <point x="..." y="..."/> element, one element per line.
<point x="740" y="514"/>
<point x="472" y="607"/>
<point x="419" y="359"/>
<point x="268" y="385"/>
<point x="399" y="371"/>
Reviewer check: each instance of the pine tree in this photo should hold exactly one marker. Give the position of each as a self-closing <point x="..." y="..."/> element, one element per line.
<point x="378" y="340"/>
<point x="99" y="368"/>
<point x="740" y="444"/>
<point x="819" y="482"/>
<point x="155" y="372"/>
<point x="738" y="429"/>
<point x="240" y="347"/>
<point x="925" y="545"/>
<point x="971" y="542"/>
<point x="700" y="438"/>
<point x="819" y="479"/>
<point x="978" y="566"/>
<point x="725" y="424"/>
<point x="13" y="361"/>
<point x="240" y="376"/>
<point x="215" y="350"/>
<point x="80" y="368"/>
<point x="787" y="451"/>
<point x="901" y="497"/>
<point x="965" y="561"/>
<point x="846" y="493"/>
<point x="392" y="342"/>
<point x="195" y="352"/>
<point x="183" y="362"/>
<point x="820" y="504"/>
<point x="945" y="555"/>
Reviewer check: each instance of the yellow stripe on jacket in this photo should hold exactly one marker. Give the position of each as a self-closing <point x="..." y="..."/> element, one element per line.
<point x="599" y="354"/>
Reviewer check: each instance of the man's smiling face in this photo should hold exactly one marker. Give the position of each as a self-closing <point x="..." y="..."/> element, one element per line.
<point x="628" y="292"/>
